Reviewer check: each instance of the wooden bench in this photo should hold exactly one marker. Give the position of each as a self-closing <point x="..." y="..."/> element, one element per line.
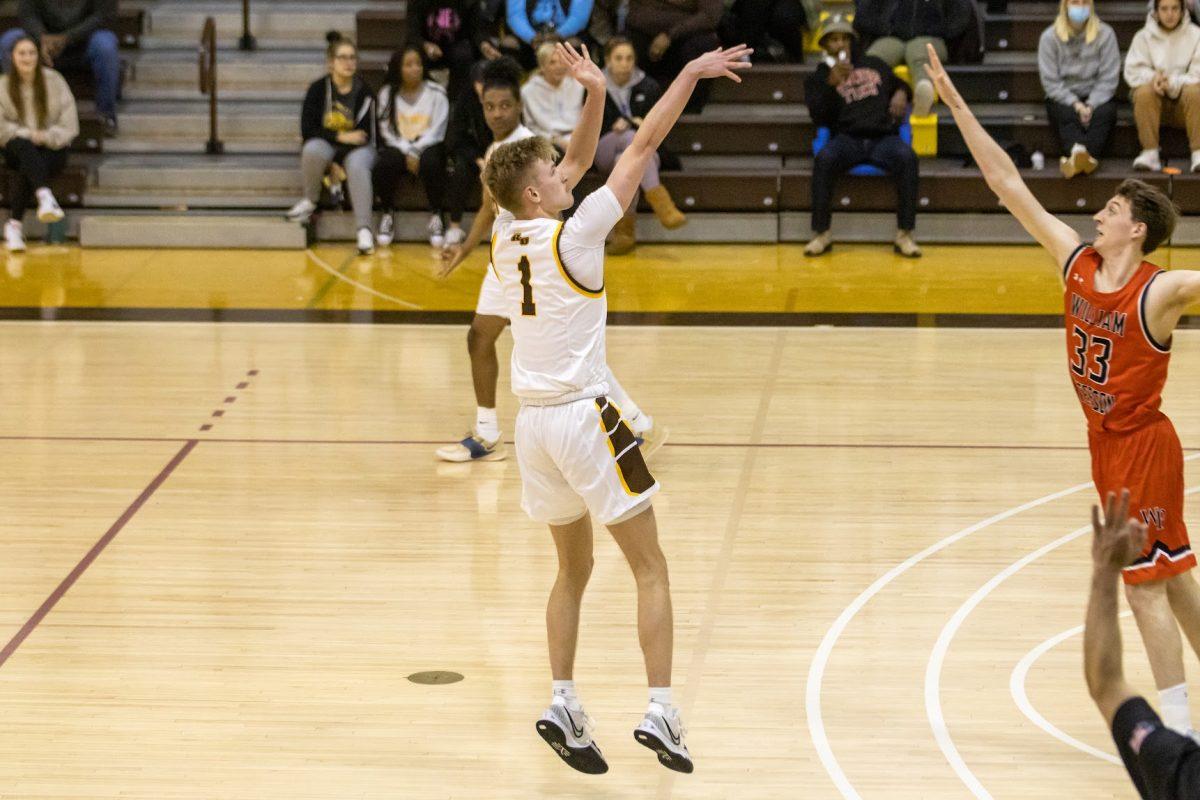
<point x="380" y="29"/>
<point x="69" y="187"/>
<point x="129" y="26"/>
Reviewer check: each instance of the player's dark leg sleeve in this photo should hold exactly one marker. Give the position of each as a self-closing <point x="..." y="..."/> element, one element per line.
<point x="1125" y="722"/>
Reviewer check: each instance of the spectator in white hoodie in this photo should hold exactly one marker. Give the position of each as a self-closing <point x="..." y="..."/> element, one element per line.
<point x="413" y="111"/>
<point x="552" y="99"/>
<point x="1163" y="69"/>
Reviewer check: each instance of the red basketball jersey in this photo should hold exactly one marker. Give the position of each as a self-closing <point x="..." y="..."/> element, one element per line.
<point x="1117" y="368"/>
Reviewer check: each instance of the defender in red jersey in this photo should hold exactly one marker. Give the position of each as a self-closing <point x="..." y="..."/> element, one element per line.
<point x="1120" y="312"/>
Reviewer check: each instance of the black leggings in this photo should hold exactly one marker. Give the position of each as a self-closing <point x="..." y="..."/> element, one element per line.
<point x="391" y="166"/>
<point x="30" y="167"/>
<point x="461" y="183"/>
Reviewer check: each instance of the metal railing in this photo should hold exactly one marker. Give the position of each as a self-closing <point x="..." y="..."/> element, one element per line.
<point x="208" y="82"/>
<point x="247" y="41"/>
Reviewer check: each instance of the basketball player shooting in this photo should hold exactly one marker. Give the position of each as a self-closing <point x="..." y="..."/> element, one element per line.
<point x="1120" y="311"/>
<point x="578" y="458"/>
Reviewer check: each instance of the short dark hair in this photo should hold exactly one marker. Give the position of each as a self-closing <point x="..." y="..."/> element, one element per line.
<point x="503" y="73"/>
<point x="1151" y="207"/>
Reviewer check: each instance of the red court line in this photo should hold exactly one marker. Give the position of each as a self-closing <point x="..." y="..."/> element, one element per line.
<point x="94" y="553"/>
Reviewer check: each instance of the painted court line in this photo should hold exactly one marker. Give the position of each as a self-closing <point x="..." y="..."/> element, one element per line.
<point x="95" y="552"/>
<point x="937" y="658"/>
<point x="1016" y="687"/>
<point x="816" y="672"/>
<point x="320" y="262"/>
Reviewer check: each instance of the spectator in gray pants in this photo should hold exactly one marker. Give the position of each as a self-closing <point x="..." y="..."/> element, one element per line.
<point x="338" y="127"/>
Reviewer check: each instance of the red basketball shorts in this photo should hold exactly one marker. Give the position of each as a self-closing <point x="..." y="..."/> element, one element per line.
<point x="1148" y="462"/>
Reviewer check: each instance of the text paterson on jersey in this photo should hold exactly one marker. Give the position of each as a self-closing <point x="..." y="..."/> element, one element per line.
<point x="1112" y="321"/>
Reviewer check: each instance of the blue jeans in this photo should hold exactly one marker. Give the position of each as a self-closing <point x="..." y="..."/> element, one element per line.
<point x="100" y="53"/>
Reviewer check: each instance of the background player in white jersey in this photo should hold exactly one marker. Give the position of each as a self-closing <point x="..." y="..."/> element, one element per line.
<point x="501" y="99"/>
<point x="577" y="456"/>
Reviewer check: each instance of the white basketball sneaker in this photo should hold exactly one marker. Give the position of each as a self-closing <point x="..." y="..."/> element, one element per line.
<point x="662" y="731"/>
<point x="569" y="733"/>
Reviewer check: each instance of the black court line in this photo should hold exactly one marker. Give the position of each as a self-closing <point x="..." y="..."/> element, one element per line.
<point x="69" y="581"/>
<point x="436" y="442"/>
<point x="744" y="319"/>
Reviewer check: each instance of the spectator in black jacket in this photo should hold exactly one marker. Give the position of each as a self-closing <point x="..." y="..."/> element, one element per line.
<point x="337" y="124"/>
<point x="631" y="95"/>
<point x="898" y="30"/>
<point x="74" y="35"/>
<point x="862" y="103"/>
<point x="492" y="35"/>
<point x="666" y="34"/>
<point x="446" y="30"/>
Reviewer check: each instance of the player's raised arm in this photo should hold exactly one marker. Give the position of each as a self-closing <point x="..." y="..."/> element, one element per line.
<point x="581" y="151"/>
<point x="627" y="174"/>
<point x="1001" y="173"/>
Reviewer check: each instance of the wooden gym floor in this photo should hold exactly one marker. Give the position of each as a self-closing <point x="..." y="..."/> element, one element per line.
<point x="224" y="548"/>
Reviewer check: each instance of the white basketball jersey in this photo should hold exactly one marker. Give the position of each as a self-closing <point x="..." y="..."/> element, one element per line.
<point x="553" y="279"/>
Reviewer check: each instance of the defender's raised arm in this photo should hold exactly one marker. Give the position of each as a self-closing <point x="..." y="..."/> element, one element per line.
<point x="1001" y="173"/>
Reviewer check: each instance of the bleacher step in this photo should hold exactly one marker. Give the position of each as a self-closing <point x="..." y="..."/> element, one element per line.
<point x="191" y="230"/>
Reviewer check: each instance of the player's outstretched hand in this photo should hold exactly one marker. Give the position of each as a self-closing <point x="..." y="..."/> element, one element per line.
<point x="581" y="67"/>
<point x="450" y="257"/>
<point x="941" y="81"/>
<point x="724" y="62"/>
<point x="1117" y="539"/>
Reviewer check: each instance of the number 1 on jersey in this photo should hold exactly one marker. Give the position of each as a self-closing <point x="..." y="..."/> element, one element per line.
<point x="528" y="307"/>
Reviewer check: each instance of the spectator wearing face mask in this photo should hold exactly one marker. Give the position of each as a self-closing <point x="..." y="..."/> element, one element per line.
<point x="1163" y="69"/>
<point x="1080" y="66"/>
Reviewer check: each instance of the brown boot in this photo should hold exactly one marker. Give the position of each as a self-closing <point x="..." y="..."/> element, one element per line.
<point x="624" y="236"/>
<point x="664" y="208"/>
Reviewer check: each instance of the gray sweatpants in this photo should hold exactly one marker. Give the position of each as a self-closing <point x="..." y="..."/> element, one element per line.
<point x="315" y="159"/>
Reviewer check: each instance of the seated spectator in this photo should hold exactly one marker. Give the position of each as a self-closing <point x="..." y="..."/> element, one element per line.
<point x="413" y="112"/>
<point x="1162" y="68"/>
<point x="552" y="100"/>
<point x="75" y="36"/>
<point x="492" y="36"/>
<point x="446" y="31"/>
<point x="38" y="122"/>
<point x="631" y="95"/>
<point x="767" y="24"/>
<point x="898" y="30"/>
<point x="337" y="124"/>
<point x="862" y="102"/>
<point x="667" y="34"/>
<point x="1080" y="66"/>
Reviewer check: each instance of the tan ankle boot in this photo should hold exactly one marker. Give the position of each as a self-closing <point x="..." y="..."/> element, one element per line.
<point x="624" y="236"/>
<point x="664" y="208"/>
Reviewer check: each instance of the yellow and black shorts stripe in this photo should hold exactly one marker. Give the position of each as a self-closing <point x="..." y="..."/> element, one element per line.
<point x="631" y="467"/>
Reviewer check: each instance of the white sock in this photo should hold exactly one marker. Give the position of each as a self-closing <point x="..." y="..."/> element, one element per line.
<point x="1077" y="147"/>
<point x="661" y="695"/>
<point x="639" y="421"/>
<point x="487" y="425"/>
<point x="44" y="195"/>
<point x="1175" y="711"/>
<point x="566" y="691"/>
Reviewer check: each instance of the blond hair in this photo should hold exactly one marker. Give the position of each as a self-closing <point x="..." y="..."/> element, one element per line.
<point x="507" y="172"/>
<point x="1062" y="24"/>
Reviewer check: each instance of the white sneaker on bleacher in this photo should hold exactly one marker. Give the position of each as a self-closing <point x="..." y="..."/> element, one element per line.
<point x="301" y="211"/>
<point x="48" y="209"/>
<point x="14" y="236"/>
<point x="1148" y="160"/>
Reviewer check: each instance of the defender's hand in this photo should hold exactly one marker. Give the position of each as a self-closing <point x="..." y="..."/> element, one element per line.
<point x="1118" y="539"/>
<point x="941" y="81"/>
<point x="723" y="62"/>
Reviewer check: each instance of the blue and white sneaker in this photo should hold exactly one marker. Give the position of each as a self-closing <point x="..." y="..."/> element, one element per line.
<point x="651" y="439"/>
<point x="473" y="448"/>
<point x="662" y="731"/>
<point x="569" y="733"/>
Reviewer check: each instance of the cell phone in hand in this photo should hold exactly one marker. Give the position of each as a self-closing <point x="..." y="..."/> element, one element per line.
<point x="841" y="59"/>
